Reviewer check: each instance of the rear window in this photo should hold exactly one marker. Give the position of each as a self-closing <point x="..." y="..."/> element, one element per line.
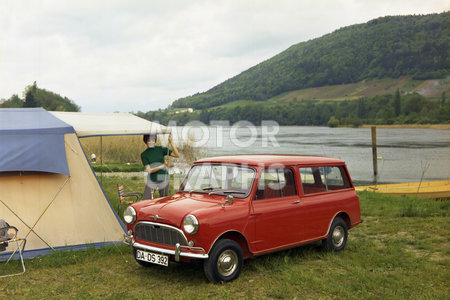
<point x="323" y="179"/>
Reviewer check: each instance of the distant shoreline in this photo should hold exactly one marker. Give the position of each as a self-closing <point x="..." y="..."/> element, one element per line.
<point x="424" y="126"/>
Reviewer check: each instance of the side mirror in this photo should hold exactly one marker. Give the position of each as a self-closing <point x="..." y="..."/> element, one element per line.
<point x="230" y="199"/>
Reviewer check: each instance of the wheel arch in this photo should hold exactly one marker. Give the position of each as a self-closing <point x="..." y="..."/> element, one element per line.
<point x="342" y="215"/>
<point x="237" y="237"/>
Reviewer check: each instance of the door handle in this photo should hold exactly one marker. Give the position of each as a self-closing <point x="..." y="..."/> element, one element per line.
<point x="297" y="202"/>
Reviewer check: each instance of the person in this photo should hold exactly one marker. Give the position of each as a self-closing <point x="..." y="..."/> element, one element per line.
<point x="155" y="160"/>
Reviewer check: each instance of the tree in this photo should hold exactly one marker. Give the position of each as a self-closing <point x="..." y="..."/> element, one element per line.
<point x="443" y="99"/>
<point x="333" y="122"/>
<point x="30" y="101"/>
<point x="397" y="103"/>
<point x="205" y="116"/>
<point x="361" y="108"/>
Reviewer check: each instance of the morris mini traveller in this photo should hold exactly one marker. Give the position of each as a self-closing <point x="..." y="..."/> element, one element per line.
<point x="231" y="208"/>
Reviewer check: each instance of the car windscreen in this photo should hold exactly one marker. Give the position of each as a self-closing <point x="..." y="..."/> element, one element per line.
<point x="219" y="179"/>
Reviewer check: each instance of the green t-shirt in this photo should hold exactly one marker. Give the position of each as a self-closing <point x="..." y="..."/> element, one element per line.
<point x="155" y="157"/>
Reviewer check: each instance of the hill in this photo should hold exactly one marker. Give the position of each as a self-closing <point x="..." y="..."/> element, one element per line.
<point x="37" y="97"/>
<point x="377" y="101"/>
<point x="387" y="47"/>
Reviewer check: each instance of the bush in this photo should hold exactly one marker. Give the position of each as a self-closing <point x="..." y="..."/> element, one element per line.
<point x="333" y="122"/>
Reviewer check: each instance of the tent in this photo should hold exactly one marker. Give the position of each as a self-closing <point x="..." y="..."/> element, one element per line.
<point x="94" y="124"/>
<point x="47" y="188"/>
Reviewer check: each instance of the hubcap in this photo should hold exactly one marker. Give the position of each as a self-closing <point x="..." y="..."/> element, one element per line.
<point x="227" y="262"/>
<point x="338" y="236"/>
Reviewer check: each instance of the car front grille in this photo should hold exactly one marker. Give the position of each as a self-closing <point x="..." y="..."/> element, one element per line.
<point x="159" y="233"/>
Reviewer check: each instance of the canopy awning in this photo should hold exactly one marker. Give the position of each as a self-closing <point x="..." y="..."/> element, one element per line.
<point x="101" y="124"/>
<point x="31" y="139"/>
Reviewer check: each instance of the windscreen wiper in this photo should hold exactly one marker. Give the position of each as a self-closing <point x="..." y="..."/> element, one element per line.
<point x="207" y="188"/>
<point x="227" y="192"/>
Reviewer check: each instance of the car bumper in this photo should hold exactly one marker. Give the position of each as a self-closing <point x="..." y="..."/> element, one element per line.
<point x="179" y="251"/>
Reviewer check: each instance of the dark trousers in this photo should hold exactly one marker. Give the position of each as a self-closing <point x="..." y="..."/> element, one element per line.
<point x="152" y="186"/>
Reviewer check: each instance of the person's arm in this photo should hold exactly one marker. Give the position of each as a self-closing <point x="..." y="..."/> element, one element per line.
<point x="155" y="169"/>
<point x="174" y="149"/>
<point x="147" y="167"/>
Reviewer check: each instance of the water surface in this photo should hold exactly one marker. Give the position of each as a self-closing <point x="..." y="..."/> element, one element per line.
<point x="404" y="155"/>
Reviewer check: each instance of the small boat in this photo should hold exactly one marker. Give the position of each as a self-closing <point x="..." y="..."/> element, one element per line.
<point x="431" y="189"/>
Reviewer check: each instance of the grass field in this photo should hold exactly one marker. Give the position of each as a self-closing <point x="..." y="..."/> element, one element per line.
<point x="368" y="88"/>
<point x="401" y="251"/>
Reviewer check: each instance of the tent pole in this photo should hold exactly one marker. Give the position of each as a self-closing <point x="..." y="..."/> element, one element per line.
<point x="27" y="225"/>
<point x="101" y="160"/>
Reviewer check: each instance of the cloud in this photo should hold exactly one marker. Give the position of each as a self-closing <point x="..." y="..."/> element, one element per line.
<point x="142" y="55"/>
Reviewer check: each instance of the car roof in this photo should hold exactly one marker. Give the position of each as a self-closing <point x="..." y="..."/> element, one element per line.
<point x="272" y="159"/>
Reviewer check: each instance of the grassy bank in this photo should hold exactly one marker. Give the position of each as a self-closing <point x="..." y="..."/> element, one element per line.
<point x="421" y="126"/>
<point x="127" y="150"/>
<point x="117" y="167"/>
<point x="401" y="251"/>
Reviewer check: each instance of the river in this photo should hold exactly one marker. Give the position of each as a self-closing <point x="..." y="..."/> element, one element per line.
<point x="404" y="155"/>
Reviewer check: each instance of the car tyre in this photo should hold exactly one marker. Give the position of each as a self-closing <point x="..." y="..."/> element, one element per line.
<point x="224" y="262"/>
<point x="337" y="236"/>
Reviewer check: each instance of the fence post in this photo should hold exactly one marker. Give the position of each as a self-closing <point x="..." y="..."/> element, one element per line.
<point x="374" y="152"/>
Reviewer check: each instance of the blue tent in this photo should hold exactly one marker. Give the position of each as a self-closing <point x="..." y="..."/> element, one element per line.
<point x="32" y="139"/>
<point x="48" y="189"/>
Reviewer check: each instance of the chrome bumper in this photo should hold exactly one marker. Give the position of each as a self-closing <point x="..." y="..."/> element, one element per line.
<point x="178" y="252"/>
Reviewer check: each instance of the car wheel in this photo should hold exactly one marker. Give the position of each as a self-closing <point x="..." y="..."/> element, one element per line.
<point x="337" y="236"/>
<point x="224" y="262"/>
<point x="141" y="262"/>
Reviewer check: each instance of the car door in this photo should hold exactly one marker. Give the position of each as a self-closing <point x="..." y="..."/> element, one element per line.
<point x="275" y="209"/>
<point x="321" y="199"/>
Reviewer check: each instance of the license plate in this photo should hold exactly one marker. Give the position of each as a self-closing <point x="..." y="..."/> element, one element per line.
<point x="153" y="258"/>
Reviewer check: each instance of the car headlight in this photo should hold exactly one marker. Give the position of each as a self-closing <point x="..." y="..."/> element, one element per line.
<point x="190" y="224"/>
<point x="129" y="215"/>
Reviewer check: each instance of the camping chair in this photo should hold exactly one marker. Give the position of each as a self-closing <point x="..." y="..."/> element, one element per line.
<point x="8" y="235"/>
<point x="123" y="198"/>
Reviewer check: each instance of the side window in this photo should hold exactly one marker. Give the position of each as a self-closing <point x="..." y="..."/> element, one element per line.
<point x="323" y="179"/>
<point x="313" y="180"/>
<point x="337" y="179"/>
<point x="276" y="183"/>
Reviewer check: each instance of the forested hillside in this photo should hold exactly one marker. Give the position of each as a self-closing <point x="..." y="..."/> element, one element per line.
<point x="394" y="46"/>
<point x="36" y="97"/>
<point x="383" y="109"/>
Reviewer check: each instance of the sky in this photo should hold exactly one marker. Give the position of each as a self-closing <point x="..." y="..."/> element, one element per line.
<point x="141" y="55"/>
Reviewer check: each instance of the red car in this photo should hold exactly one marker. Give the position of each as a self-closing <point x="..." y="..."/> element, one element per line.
<point x="235" y="207"/>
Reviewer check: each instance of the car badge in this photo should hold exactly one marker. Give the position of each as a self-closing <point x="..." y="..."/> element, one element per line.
<point x="156" y="217"/>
